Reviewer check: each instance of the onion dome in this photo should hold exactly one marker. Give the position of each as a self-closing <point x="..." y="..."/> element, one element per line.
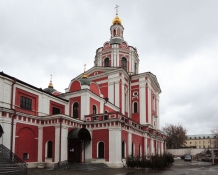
<point x="50" y="88"/>
<point x="85" y="80"/>
<point x="117" y="20"/>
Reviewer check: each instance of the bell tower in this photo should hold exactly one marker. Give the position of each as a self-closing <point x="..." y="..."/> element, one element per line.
<point x="116" y="30"/>
<point x="117" y="52"/>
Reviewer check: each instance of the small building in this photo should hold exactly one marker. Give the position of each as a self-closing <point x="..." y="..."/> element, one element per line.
<point x="201" y="141"/>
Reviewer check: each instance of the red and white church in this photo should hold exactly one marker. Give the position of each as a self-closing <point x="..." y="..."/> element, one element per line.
<point x="106" y="114"/>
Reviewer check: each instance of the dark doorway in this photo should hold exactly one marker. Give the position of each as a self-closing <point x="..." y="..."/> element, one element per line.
<point x="101" y="150"/>
<point x="123" y="149"/>
<point x="49" y="149"/>
<point x="78" y="139"/>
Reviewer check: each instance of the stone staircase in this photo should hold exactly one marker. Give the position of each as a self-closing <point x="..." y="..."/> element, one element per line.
<point x="87" y="166"/>
<point x="7" y="167"/>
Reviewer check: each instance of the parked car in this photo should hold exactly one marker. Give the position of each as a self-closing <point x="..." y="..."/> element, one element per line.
<point x="187" y="157"/>
<point x="206" y="159"/>
<point x="182" y="157"/>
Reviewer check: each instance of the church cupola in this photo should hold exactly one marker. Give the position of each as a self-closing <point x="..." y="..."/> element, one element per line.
<point x="116" y="30"/>
<point x="85" y="81"/>
<point x="50" y="88"/>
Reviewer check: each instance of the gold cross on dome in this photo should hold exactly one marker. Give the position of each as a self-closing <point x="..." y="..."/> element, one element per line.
<point x="116" y="9"/>
<point x="51" y="77"/>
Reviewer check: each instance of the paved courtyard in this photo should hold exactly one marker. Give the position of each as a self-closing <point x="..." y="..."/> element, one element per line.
<point x="179" y="168"/>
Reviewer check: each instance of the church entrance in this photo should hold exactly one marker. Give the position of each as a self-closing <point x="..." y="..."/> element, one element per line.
<point x="78" y="139"/>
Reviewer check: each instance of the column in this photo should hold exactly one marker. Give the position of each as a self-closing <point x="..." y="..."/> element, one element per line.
<point x="130" y="143"/>
<point x="115" y="146"/>
<point x="57" y="136"/>
<point x="64" y="142"/>
<point x="40" y="138"/>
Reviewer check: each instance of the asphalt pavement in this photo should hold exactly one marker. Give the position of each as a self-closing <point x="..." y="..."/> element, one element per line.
<point x="179" y="167"/>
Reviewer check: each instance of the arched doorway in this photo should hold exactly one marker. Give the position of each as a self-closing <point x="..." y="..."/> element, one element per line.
<point x="78" y="139"/>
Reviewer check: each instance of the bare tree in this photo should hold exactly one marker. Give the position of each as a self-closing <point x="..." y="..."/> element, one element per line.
<point x="215" y="132"/>
<point x="175" y="136"/>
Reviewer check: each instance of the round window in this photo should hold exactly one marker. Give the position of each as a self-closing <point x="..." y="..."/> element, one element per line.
<point x="135" y="93"/>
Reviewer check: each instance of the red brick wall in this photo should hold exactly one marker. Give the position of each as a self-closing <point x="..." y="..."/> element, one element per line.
<point x="48" y="135"/>
<point x="97" y="136"/>
<point x="27" y="141"/>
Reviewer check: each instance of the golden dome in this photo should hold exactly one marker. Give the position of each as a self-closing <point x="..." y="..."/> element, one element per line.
<point x="117" y="20"/>
<point x="50" y="85"/>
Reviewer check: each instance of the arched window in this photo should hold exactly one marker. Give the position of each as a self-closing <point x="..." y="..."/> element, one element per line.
<point x="124" y="63"/>
<point x="49" y="149"/>
<point x="94" y="110"/>
<point x="114" y="32"/>
<point x="101" y="150"/>
<point x="123" y="149"/>
<point x="106" y="62"/>
<point x="135" y="107"/>
<point x="75" y="110"/>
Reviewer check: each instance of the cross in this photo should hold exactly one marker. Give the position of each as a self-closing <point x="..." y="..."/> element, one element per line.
<point x="116" y="9"/>
<point x="51" y="78"/>
<point x="84" y="67"/>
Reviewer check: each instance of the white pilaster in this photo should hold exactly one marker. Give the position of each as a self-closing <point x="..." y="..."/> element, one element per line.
<point x="40" y="146"/>
<point x="117" y="94"/>
<point x="85" y="103"/>
<point x="111" y="92"/>
<point x="145" y="146"/>
<point x="115" y="146"/>
<point x="57" y="137"/>
<point x="142" y="103"/>
<point x="123" y="97"/>
<point x="64" y="141"/>
<point x="129" y="143"/>
<point x="152" y="146"/>
<point x="149" y="104"/>
<point x="88" y="153"/>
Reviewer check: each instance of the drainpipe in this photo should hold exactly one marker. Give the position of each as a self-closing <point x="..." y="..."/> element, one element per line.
<point x="60" y="120"/>
<point x="12" y="118"/>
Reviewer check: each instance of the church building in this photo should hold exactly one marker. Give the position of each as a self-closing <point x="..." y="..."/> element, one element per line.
<point x="106" y="113"/>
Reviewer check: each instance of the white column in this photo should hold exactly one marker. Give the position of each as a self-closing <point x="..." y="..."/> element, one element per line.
<point x="85" y="103"/>
<point x="101" y="106"/>
<point x="142" y="103"/>
<point x="40" y="146"/>
<point x="149" y="104"/>
<point x="129" y="143"/>
<point x="111" y="91"/>
<point x="115" y="147"/>
<point x="88" y="153"/>
<point x="57" y="137"/>
<point x="158" y="118"/>
<point x="123" y="97"/>
<point x="152" y="146"/>
<point x="117" y="94"/>
<point x="145" y="146"/>
<point x="64" y="141"/>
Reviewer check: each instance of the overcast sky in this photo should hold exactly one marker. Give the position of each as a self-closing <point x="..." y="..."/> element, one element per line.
<point x="177" y="40"/>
